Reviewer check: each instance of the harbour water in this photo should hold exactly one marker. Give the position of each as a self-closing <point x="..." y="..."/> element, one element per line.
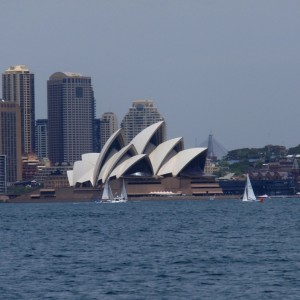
<point x="220" y="249"/>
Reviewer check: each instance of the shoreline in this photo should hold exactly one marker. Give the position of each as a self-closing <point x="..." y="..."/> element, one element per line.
<point x="68" y="195"/>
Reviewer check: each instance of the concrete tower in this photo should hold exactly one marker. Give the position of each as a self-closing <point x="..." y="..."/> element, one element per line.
<point x="71" y="113"/>
<point x="18" y="87"/>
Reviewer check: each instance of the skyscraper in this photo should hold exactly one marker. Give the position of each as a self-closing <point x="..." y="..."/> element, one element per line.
<point x="142" y="114"/>
<point x="41" y="138"/>
<point x="3" y="172"/>
<point x="10" y="139"/>
<point x="71" y="113"/>
<point x="108" y="125"/>
<point x="18" y="87"/>
<point x="97" y="146"/>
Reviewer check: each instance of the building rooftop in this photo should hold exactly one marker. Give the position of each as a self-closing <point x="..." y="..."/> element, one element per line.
<point x="61" y="75"/>
<point x="17" y="68"/>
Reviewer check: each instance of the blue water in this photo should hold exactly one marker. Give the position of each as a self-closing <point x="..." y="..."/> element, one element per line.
<point x="221" y="249"/>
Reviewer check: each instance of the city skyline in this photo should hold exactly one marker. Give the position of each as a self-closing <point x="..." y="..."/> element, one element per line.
<point x="227" y="68"/>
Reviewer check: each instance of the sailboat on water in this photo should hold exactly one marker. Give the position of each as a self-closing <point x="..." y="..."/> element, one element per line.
<point x="123" y="196"/>
<point x="107" y="194"/>
<point x="249" y="195"/>
<point x="108" y="197"/>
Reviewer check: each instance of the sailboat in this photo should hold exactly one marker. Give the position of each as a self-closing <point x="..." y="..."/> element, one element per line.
<point x="249" y="195"/>
<point x="123" y="196"/>
<point x="107" y="194"/>
<point x="108" y="197"/>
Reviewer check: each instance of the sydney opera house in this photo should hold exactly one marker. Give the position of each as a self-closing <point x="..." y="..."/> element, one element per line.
<point x="147" y="164"/>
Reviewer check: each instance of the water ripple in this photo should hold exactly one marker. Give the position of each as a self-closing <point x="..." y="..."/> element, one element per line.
<point x="151" y="250"/>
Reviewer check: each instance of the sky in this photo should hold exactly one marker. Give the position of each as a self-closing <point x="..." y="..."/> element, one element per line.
<point x="228" y="68"/>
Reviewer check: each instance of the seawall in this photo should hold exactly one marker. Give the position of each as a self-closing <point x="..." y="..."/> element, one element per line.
<point x="71" y="195"/>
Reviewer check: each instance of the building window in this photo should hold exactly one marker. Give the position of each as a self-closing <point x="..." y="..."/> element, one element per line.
<point x="79" y="92"/>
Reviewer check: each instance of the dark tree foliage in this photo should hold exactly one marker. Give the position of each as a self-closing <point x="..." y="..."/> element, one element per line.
<point x="256" y="153"/>
<point x="294" y="150"/>
<point x="243" y="160"/>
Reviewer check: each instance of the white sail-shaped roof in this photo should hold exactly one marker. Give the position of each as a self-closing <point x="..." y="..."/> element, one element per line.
<point x="141" y="140"/>
<point x="90" y="157"/>
<point x="82" y="172"/>
<point x="178" y="162"/>
<point x="121" y="169"/>
<point x="106" y="152"/>
<point x="70" y="177"/>
<point x="163" y="151"/>
<point x="146" y="154"/>
<point x="119" y="157"/>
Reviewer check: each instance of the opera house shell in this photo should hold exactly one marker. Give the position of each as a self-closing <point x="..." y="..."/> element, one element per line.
<point x="147" y="163"/>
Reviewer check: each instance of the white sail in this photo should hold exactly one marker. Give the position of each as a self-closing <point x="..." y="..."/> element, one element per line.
<point x="249" y="193"/>
<point x="107" y="193"/>
<point x="124" y="192"/>
<point x="111" y="196"/>
<point x="108" y="197"/>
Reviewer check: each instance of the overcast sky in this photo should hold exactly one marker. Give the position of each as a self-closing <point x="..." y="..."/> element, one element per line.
<point x="230" y="68"/>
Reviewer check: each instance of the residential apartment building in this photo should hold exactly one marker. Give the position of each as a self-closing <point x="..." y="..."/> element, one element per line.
<point x="18" y="87"/>
<point x="108" y="125"/>
<point x="142" y="114"/>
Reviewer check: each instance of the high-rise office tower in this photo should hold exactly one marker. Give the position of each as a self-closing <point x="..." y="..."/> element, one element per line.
<point x="10" y="139"/>
<point x="97" y="146"/>
<point x="3" y="183"/>
<point x="41" y="138"/>
<point x="18" y="87"/>
<point x="108" y="125"/>
<point x="71" y="113"/>
<point x="141" y="115"/>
